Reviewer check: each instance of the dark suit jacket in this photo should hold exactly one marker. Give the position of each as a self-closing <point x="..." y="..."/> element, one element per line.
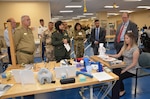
<point x="131" y="27"/>
<point x="102" y="35"/>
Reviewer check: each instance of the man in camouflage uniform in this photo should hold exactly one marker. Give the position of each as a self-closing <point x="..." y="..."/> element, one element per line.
<point x="24" y="42"/>
<point x="47" y="40"/>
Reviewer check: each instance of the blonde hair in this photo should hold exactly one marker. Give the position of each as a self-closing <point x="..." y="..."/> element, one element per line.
<point x="132" y="40"/>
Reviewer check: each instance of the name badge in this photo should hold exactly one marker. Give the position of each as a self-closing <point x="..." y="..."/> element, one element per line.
<point x="129" y="31"/>
<point x="80" y="33"/>
<point x="25" y="33"/>
<point x="125" y="27"/>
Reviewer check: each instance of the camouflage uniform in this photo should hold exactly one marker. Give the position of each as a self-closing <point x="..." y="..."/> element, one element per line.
<point x="24" y="45"/>
<point x="49" y="47"/>
<point x="79" y="37"/>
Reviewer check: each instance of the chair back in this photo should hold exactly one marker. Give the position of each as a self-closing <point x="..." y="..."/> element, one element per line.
<point x="144" y="59"/>
<point x="145" y="40"/>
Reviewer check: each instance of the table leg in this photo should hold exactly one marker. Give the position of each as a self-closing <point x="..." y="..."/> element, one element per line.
<point x="22" y="98"/>
<point x="116" y="88"/>
<point x="108" y="89"/>
<point x="1" y="66"/>
<point x="91" y="92"/>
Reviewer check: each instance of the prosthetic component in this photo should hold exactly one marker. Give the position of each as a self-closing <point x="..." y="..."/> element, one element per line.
<point x="84" y="73"/>
<point x="44" y="75"/>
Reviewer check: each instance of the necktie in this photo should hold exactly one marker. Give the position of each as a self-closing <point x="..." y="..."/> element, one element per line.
<point x="97" y="34"/>
<point x="119" y="35"/>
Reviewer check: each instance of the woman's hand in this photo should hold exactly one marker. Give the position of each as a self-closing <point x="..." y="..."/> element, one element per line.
<point x="65" y="41"/>
<point x="85" y="41"/>
<point x="123" y="71"/>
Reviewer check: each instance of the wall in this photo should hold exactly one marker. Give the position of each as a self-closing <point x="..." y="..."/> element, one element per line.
<point x="140" y="18"/>
<point x="35" y="10"/>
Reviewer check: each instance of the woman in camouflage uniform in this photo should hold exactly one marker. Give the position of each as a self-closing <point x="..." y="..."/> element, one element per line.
<point x="79" y="40"/>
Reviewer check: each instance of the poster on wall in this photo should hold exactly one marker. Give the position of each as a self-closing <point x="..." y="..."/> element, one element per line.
<point x="104" y="23"/>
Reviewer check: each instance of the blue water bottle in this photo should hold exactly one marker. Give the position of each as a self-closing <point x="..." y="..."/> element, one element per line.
<point x="100" y="67"/>
<point x="86" y="61"/>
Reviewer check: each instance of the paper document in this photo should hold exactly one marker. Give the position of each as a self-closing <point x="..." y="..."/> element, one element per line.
<point x="4" y="88"/>
<point x="101" y="76"/>
<point x="16" y="73"/>
<point x="27" y="77"/>
<point x="67" y="46"/>
<point x="23" y="76"/>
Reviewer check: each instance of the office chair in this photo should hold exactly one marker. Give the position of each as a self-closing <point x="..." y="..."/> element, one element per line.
<point x="145" y="39"/>
<point x="144" y="70"/>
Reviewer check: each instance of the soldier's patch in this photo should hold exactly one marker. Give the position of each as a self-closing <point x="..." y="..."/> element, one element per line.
<point x="66" y="34"/>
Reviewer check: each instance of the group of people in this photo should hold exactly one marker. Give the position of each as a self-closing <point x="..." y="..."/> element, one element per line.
<point x="51" y="37"/>
<point x="23" y="40"/>
<point x="55" y="41"/>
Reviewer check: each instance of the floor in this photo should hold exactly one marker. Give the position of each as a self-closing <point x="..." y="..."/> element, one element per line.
<point x="143" y="89"/>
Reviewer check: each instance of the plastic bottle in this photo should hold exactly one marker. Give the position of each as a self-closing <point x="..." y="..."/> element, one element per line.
<point x="100" y="67"/>
<point x="101" y="49"/>
<point x="86" y="61"/>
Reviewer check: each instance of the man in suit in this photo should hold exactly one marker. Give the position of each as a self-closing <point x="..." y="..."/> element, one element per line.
<point x="125" y="27"/>
<point x="97" y="36"/>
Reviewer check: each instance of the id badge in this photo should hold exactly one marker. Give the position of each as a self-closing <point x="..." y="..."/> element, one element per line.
<point x="80" y="33"/>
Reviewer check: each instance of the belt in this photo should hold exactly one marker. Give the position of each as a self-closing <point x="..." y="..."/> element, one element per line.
<point x="121" y="42"/>
<point x="26" y="52"/>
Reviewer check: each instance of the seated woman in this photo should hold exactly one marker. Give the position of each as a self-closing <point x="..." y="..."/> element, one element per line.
<point x="130" y="52"/>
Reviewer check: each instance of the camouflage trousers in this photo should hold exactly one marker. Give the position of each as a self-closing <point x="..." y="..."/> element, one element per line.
<point x="49" y="53"/>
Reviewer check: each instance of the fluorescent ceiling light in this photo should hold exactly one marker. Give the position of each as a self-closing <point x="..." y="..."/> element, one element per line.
<point x="66" y="11"/>
<point x="55" y="18"/>
<point x="128" y="11"/>
<point x="109" y="7"/>
<point x="58" y="16"/>
<point x="144" y="7"/>
<point x="81" y="16"/>
<point x="112" y="14"/>
<point x="132" y="0"/>
<point x="67" y="20"/>
<point x="73" y="6"/>
<point x="93" y="18"/>
<point x="87" y="13"/>
<point x="75" y="18"/>
<point x="84" y="20"/>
